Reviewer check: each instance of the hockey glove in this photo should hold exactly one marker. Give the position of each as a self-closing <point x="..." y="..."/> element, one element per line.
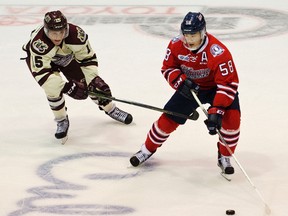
<point x="214" y="121"/>
<point x="186" y="87"/>
<point x="76" y="90"/>
<point x="99" y="86"/>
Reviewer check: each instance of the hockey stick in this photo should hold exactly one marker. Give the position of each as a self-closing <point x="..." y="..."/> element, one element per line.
<point x="194" y="116"/>
<point x="267" y="209"/>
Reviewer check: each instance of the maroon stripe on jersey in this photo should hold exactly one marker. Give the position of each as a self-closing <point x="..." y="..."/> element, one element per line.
<point x="58" y="107"/>
<point x="43" y="79"/>
<point x="43" y="71"/>
<point x="89" y="61"/>
<point x="88" y="64"/>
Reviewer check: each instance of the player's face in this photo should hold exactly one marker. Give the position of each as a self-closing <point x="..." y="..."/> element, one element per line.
<point x="193" y="41"/>
<point x="56" y="36"/>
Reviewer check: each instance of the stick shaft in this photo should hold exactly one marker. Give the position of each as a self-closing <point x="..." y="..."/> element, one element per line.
<point x="267" y="209"/>
<point x="192" y="117"/>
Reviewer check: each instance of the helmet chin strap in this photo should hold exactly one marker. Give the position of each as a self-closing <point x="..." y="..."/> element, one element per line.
<point x="67" y="31"/>
<point x="192" y="49"/>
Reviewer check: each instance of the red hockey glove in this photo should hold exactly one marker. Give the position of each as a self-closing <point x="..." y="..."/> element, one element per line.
<point x="76" y="90"/>
<point x="214" y="121"/>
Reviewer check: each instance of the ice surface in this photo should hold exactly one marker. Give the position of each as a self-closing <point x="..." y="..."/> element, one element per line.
<point x="90" y="174"/>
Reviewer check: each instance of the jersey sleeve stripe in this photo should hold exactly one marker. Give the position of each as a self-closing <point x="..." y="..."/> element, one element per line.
<point x="170" y="73"/>
<point x="228" y="89"/>
<point x="226" y="94"/>
<point x="42" y="76"/>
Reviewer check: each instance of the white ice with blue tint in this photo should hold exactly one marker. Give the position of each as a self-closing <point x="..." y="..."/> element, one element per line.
<point x="89" y="175"/>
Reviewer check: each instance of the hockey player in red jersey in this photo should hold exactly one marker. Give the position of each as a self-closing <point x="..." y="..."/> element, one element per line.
<point x="58" y="46"/>
<point x="195" y="60"/>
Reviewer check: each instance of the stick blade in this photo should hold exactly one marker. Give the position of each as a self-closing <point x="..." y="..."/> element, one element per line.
<point x="267" y="210"/>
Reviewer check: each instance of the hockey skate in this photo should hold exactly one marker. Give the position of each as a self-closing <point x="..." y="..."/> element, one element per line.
<point x="62" y="130"/>
<point x="225" y="166"/>
<point x="141" y="156"/>
<point x="120" y="115"/>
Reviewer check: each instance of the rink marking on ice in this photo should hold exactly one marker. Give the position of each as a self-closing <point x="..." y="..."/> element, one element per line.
<point x="227" y="23"/>
<point x="59" y="191"/>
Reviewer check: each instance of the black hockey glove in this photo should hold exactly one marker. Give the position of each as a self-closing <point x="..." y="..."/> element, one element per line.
<point x="99" y="86"/>
<point x="214" y="121"/>
<point x="76" y="90"/>
<point x="186" y="87"/>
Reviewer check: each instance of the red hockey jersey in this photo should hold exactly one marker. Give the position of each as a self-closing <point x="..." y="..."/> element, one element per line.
<point x="211" y="67"/>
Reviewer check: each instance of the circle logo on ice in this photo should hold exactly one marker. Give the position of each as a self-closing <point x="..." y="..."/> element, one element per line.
<point x="228" y="23"/>
<point x="68" y="179"/>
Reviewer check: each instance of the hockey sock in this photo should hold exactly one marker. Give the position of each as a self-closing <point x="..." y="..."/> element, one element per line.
<point x="160" y="132"/>
<point x="230" y="131"/>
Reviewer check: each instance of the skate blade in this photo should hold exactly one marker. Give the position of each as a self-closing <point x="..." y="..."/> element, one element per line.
<point x="225" y="176"/>
<point x="129" y="166"/>
<point x="63" y="140"/>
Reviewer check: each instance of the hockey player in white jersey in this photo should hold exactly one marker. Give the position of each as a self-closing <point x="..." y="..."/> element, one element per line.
<point x="60" y="47"/>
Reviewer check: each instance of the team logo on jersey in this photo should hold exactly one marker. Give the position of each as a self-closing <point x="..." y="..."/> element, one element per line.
<point x="195" y="74"/>
<point x="216" y="50"/>
<point x="184" y="58"/>
<point x="187" y="58"/>
<point x="40" y="46"/>
<point x="62" y="60"/>
<point x="81" y="34"/>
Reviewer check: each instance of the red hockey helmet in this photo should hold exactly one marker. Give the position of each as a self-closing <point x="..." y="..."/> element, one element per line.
<point x="55" y="20"/>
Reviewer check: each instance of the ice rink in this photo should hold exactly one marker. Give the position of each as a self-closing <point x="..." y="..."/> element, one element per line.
<point x="90" y="174"/>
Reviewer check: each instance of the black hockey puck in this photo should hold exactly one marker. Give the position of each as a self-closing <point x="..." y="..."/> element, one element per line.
<point x="230" y="212"/>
